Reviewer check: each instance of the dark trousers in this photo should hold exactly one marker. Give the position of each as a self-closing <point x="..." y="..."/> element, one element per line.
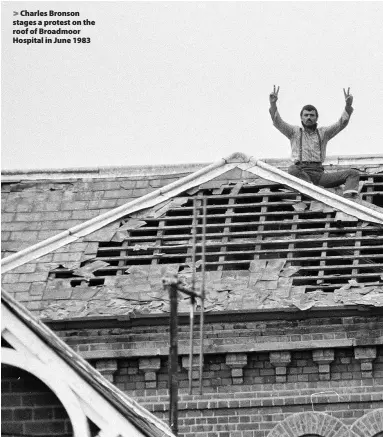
<point x="314" y="173"/>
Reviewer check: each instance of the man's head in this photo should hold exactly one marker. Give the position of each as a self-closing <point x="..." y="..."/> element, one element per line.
<point x="309" y="116"/>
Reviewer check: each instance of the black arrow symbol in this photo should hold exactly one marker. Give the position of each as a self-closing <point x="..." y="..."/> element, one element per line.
<point x="15" y="13"/>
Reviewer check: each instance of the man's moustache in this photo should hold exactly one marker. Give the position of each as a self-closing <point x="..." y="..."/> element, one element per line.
<point x="310" y="126"/>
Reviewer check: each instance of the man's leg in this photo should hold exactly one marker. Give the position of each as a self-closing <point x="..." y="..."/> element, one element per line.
<point x="349" y="177"/>
<point x="296" y="170"/>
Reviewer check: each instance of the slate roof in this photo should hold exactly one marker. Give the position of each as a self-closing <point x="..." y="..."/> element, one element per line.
<point x="257" y="230"/>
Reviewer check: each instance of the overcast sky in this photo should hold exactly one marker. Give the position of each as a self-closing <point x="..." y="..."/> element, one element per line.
<point x="178" y="82"/>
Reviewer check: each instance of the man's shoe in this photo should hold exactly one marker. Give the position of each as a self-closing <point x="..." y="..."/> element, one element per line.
<point x="352" y="195"/>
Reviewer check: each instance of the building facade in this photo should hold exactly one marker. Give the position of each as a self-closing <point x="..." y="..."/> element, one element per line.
<point x="293" y="280"/>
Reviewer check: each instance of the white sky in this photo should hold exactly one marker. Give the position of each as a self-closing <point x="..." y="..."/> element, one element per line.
<point x="176" y="82"/>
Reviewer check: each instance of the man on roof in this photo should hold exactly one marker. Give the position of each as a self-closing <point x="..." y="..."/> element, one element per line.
<point x="309" y="143"/>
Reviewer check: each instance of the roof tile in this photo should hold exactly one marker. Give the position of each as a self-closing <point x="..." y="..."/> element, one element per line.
<point x="270" y="281"/>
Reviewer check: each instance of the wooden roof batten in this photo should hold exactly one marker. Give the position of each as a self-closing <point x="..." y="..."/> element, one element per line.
<point x="235" y="160"/>
<point x="82" y="390"/>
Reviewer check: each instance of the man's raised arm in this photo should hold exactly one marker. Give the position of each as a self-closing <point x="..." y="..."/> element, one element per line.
<point x="334" y="129"/>
<point x="285" y="128"/>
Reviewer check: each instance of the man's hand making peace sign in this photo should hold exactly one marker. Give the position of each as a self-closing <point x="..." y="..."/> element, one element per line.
<point x="274" y="95"/>
<point x="349" y="98"/>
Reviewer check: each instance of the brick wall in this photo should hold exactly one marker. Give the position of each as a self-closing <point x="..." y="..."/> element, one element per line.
<point x="249" y="393"/>
<point x="255" y="407"/>
<point x="29" y="406"/>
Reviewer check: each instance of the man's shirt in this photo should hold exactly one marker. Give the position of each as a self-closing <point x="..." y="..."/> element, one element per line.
<point x="313" y="147"/>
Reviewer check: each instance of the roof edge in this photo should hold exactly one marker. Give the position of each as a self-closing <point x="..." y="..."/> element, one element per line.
<point x="166" y="169"/>
<point x="242" y="161"/>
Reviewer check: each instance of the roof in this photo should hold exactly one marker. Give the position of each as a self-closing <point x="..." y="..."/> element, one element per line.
<point x="273" y="240"/>
<point x="137" y="171"/>
<point x="236" y="160"/>
<point x="141" y="418"/>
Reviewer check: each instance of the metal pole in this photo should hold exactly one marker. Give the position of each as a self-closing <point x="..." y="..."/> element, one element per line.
<point x="173" y="359"/>
<point x="192" y="299"/>
<point x="194" y="237"/>
<point x="203" y="256"/>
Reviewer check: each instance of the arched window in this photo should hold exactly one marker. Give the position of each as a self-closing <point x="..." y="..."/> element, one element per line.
<point x="310" y="424"/>
<point x="369" y="425"/>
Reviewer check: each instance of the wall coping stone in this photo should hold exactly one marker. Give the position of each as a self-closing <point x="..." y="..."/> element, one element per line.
<point x="222" y="349"/>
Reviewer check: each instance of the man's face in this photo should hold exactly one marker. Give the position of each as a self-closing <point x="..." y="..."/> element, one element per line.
<point x="309" y="118"/>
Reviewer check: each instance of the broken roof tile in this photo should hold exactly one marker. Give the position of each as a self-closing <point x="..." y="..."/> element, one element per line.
<point x="131" y="224"/>
<point x="289" y="271"/>
<point x="104" y="234"/>
<point x="340" y="216"/>
<point x="317" y="206"/>
<point x="257" y="265"/>
<point x="354" y="296"/>
<point x="87" y="270"/>
<point x="303" y="303"/>
<point x="300" y="206"/>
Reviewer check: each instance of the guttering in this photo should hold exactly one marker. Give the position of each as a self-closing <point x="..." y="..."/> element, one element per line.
<point x="228" y="316"/>
<point x="99" y="172"/>
<point x="17" y="175"/>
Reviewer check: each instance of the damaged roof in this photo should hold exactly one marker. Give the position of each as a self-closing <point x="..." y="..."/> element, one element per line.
<point x="272" y="241"/>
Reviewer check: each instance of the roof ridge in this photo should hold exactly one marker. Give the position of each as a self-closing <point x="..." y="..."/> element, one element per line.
<point x="242" y="161"/>
<point x="162" y="169"/>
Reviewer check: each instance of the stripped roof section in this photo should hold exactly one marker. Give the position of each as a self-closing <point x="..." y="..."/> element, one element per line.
<point x="236" y="160"/>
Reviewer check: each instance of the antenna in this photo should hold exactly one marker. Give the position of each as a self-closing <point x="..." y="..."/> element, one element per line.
<point x="173" y="286"/>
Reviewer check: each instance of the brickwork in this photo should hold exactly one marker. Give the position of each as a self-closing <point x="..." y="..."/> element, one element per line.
<point x="225" y="409"/>
<point x="236" y="337"/>
<point x="310" y="423"/>
<point x="251" y="420"/>
<point x="281" y="376"/>
<point x="258" y="371"/>
<point x="370" y="425"/>
<point x="254" y="402"/>
<point x="29" y="407"/>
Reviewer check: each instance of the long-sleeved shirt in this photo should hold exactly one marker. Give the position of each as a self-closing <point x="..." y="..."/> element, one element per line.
<point x="312" y="146"/>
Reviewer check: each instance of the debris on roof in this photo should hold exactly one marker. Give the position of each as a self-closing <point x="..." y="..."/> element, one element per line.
<point x="106" y="233"/>
<point x="269" y="284"/>
<point x="160" y="209"/>
<point x="122" y="233"/>
<point x="300" y="206"/>
<point x="317" y="206"/>
<point x="340" y="216"/>
<point x="268" y="246"/>
<point x="87" y="271"/>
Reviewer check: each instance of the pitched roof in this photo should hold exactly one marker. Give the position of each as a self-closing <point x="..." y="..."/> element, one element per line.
<point x="134" y="413"/>
<point x="236" y="160"/>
